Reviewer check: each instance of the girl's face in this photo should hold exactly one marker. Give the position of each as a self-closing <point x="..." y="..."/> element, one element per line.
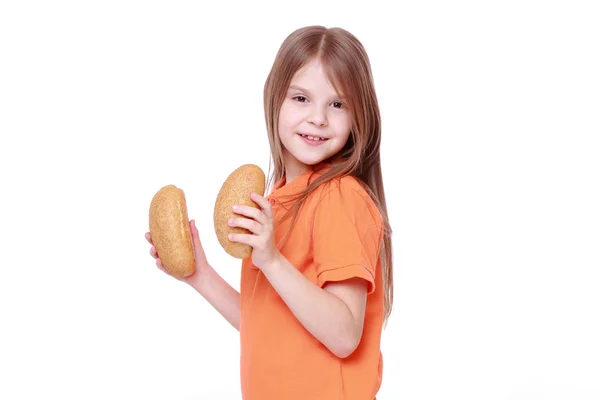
<point x="314" y="123"/>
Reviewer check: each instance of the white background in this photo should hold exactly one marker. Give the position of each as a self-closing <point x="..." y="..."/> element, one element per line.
<point x="491" y="124"/>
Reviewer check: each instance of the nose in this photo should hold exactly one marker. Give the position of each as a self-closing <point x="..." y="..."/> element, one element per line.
<point x="317" y="117"/>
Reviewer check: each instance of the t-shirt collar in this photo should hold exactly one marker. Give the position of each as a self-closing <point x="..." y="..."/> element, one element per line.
<point x="283" y="191"/>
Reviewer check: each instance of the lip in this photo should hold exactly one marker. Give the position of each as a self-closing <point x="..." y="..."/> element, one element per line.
<point x="311" y="134"/>
<point x="311" y="142"/>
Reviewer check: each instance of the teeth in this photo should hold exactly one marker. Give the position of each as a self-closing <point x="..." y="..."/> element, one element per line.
<point x="312" y="137"/>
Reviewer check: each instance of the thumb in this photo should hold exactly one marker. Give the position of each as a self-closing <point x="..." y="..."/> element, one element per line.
<point x="197" y="246"/>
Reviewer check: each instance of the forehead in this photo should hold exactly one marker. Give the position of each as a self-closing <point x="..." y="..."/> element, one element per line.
<point x="314" y="76"/>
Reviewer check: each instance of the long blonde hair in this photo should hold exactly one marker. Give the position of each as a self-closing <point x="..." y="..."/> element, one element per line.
<point x="348" y="68"/>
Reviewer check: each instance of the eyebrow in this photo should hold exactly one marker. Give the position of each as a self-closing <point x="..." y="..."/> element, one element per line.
<point x="295" y="87"/>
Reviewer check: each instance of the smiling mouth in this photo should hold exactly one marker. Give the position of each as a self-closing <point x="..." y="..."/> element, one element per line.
<point x="315" y="138"/>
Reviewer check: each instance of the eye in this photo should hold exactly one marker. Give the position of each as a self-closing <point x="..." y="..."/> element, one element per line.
<point x="301" y="99"/>
<point x="337" y="104"/>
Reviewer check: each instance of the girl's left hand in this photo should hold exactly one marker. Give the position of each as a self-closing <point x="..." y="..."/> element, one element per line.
<point x="260" y="223"/>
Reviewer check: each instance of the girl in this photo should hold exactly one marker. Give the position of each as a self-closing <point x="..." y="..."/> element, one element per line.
<point x="317" y="288"/>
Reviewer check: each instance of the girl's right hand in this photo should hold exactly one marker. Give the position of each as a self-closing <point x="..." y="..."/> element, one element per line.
<point x="201" y="262"/>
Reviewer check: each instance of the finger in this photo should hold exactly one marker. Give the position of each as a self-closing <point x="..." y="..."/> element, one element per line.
<point x="153" y="252"/>
<point x="160" y="266"/>
<point x="195" y="235"/>
<point x="245" y="238"/>
<point x="149" y="237"/>
<point x="263" y="203"/>
<point x="247" y="223"/>
<point x="197" y="245"/>
<point x="251" y="212"/>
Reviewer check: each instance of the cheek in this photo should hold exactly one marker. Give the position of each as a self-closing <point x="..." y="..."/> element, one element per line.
<point x="283" y="130"/>
<point x="343" y="126"/>
<point x="285" y="118"/>
<point x="289" y="120"/>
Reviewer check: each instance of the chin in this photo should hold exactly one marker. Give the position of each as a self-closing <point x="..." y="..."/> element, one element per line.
<point x="310" y="160"/>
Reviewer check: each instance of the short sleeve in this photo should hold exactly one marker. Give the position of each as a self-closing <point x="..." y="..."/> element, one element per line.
<point x="346" y="235"/>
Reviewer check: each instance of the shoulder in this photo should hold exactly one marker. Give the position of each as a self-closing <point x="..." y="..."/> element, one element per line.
<point x="350" y="189"/>
<point x="347" y="193"/>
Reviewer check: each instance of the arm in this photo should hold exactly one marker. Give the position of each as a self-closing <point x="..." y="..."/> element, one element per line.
<point x="334" y="315"/>
<point x="207" y="282"/>
<point x="333" y="310"/>
<point x="220" y="294"/>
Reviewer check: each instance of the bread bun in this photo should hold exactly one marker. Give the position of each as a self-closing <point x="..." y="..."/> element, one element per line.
<point x="170" y="230"/>
<point x="236" y="190"/>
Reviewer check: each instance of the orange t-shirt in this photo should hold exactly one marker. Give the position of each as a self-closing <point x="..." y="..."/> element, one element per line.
<point x="337" y="236"/>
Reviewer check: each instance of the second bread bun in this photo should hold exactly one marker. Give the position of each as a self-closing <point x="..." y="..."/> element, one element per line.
<point x="236" y="190"/>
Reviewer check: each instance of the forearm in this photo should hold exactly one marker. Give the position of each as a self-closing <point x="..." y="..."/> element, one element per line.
<point x="323" y="314"/>
<point x="220" y="294"/>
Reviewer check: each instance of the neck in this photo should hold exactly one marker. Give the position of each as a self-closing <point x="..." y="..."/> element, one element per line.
<point x="293" y="168"/>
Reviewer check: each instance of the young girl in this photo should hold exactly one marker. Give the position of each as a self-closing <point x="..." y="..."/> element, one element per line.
<point x="317" y="288"/>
